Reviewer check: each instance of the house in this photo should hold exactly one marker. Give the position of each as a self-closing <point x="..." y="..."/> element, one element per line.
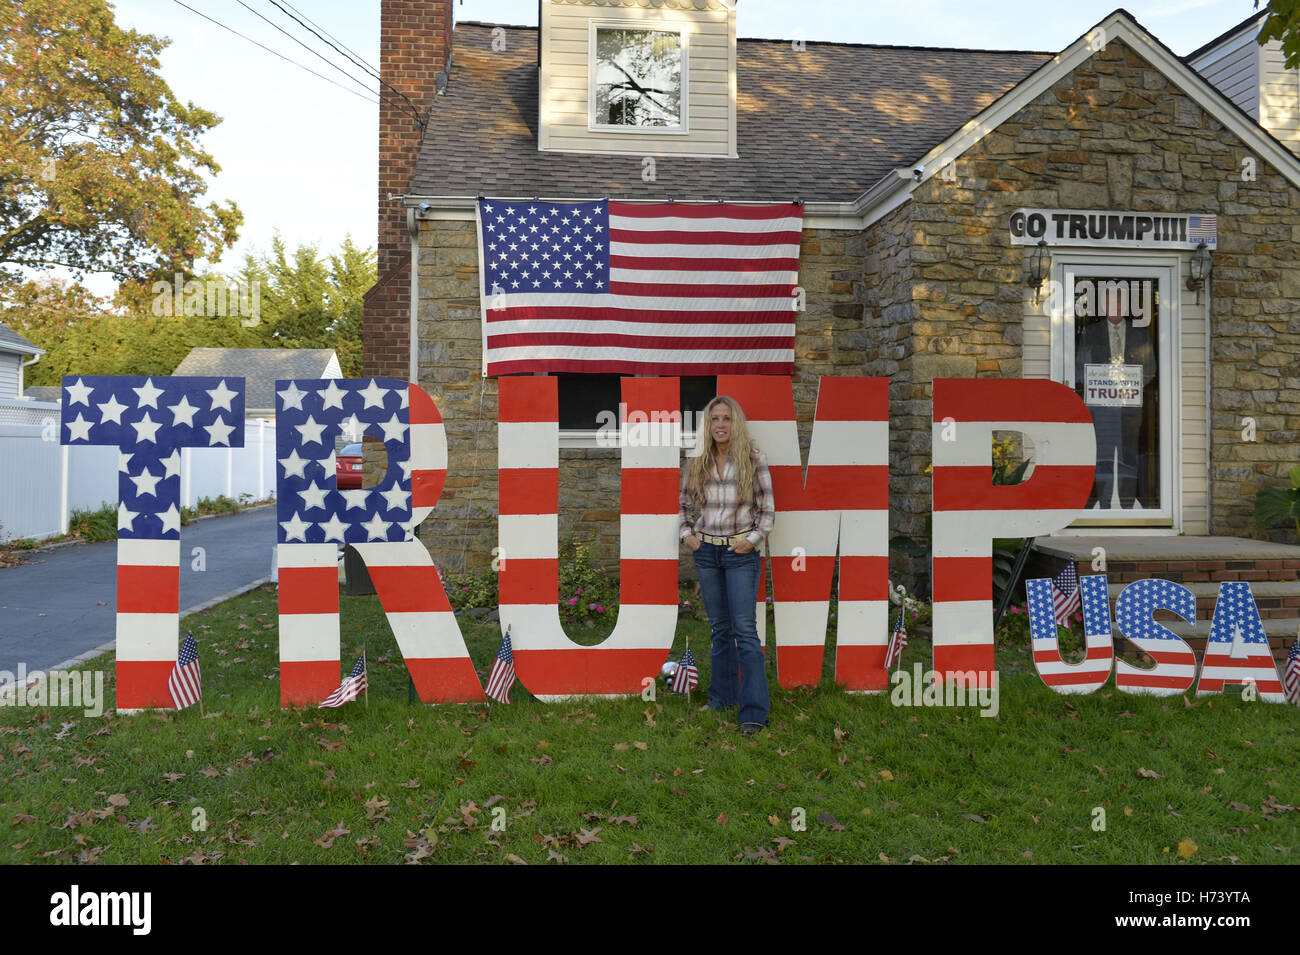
<point x="964" y="214"/>
<point x="16" y="405"/>
<point x="260" y="368"/>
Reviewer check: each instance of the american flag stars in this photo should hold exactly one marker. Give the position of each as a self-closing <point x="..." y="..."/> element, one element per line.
<point x="546" y="248"/>
<point x="310" y="415"/>
<point x="149" y="420"/>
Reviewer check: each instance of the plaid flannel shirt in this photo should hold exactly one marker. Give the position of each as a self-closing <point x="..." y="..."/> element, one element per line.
<point x="722" y="514"/>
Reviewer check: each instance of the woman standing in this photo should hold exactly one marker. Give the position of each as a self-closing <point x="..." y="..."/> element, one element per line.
<point x="726" y="511"/>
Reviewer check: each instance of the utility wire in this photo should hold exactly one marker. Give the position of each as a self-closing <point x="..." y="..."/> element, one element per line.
<point x="315" y="53"/>
<point x="275" y="53"/>
<point x="360" y="60"/>
<point x="414" y="109"/>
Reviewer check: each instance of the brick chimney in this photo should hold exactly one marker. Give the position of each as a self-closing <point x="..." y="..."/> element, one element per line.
<point x="415" y="38"/>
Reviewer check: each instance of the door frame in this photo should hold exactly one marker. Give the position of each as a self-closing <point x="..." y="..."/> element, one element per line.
<point x="1067" y="263"/>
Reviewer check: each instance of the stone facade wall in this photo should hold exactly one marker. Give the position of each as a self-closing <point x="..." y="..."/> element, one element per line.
<point x="1115" y="134"/>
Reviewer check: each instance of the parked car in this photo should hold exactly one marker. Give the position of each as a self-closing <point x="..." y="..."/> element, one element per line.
<point x="348" y="467"/>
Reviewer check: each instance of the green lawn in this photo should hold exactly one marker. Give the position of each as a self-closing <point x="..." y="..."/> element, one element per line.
<point x="630" y="781"/>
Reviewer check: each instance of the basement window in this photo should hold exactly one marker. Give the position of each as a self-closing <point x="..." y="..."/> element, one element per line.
<point x="638" y="79"/>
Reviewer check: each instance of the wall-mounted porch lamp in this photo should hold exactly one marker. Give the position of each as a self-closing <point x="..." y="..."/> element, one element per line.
<point x="1037" y="267"/>
<point x="1202" y="265"/>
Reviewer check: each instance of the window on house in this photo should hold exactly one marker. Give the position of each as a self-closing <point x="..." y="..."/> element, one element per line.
<point x="584" y="397"/>
<point x="638" y="78"/>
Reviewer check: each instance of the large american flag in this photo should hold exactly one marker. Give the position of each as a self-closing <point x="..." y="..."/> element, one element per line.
<point x="1065" y="594"/>
<point x="186" y="682"/>
<point x="350" y="688"/>
<point x="638" y="288"/>
<point x="1291" y="675"/>
<point x="687" y="675"/>
<point x="502" y="677"/>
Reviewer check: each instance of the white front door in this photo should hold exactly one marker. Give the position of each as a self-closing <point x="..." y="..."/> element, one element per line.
<point x="1114" y="341"/>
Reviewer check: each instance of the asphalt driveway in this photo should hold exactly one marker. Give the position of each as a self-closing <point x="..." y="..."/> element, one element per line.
<point x="62" y="603"/>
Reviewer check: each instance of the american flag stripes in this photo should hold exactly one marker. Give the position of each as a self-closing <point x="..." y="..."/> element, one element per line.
<point x="638" y="288"/>
<point x="1065" y="594"/>
<point x="502" y="677"/>
<point x="547" y="661"/>
<point x="687" y="676"/>
<point x="840" y="505"/>
<point x="186" y="682"/>
<point x="350" y="688"/>
<point x="897" y="640"/>
<point x="970" y="511"/>
<point x="1291" y="678"/>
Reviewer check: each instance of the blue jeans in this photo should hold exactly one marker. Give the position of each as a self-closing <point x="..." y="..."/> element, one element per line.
<point x="729" y="585"/>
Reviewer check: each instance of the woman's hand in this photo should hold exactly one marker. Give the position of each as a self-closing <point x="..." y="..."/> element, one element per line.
<point x="692" y="542"/>
<point x="744" y="547"/>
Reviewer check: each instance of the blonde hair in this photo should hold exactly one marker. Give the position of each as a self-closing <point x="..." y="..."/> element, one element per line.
<point x="743" y="453"/>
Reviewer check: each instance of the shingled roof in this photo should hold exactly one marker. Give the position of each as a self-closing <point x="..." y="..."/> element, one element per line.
<point x="259" y="367"/>
<point x="11" y="341"/>
<point x="825" y="123"/>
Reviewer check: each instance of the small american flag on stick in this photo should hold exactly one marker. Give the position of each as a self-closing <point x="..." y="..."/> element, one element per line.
<point x="502" y="677"/>
<point x="1291" y="675"/>
<point x="897" y="640"/>
<point x="350" y="688"/>
<point x="639" y="288"/>
<point x="186" y="684"/>
<point x="687" y="677"/>
<point x="1065" y="594"/>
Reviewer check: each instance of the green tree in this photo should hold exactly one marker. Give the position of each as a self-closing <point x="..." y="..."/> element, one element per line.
<point x="313" y="302"/>
<point x="1283" y="24"/>
<point x="99" y="164"/>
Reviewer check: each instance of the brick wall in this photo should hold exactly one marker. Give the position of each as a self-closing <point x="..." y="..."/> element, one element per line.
<point x="414" y="46"/>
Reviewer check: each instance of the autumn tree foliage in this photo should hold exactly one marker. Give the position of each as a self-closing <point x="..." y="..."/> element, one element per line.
<point x="100" y="167"/>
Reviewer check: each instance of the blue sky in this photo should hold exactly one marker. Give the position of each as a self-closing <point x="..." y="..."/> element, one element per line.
<point x="299" y="155"/>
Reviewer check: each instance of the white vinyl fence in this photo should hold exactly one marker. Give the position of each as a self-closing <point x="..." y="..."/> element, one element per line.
<point x="42" y="482"/>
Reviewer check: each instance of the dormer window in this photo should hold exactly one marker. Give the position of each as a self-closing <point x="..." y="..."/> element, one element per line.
<point x="638" y="78"/>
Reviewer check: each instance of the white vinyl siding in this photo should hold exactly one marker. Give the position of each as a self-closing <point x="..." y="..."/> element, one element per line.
<point x="1193" y="430"/>
<point x="565" y="82"/>
<point x="1279" y="96"/>
<point x="1233" y="67"/>
<point x="9" y="365"/>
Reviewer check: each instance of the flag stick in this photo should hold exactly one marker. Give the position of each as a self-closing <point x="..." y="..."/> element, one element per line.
<point x="365" y="669"/>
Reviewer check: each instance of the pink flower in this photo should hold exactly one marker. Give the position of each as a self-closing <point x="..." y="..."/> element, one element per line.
<point x="1015" y="609"/>
<point x="591" y="606"/>
<point x="600" y="608"/>
<point x="686" y="603"/>
<point x="577" y="591"/>
<point x="464" y="588"/>
<point x="915" y="615"/>
<point x="572" y="601"/>
<point x="1078" y="617"/>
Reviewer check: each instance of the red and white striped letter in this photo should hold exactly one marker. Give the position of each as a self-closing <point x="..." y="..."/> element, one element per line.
<point x="403" y="573"/>
<point x="970" y="511"/>
<point x="843" y="505"/>
<point x="547" y="662"/>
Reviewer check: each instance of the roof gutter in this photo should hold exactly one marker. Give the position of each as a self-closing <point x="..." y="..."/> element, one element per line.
<point x="413" y="230"/>
<point x="887" y="194"/>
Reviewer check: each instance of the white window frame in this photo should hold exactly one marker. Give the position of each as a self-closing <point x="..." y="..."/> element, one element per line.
<point x="592" y="126"/>
<point x="1137" y="263"/>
